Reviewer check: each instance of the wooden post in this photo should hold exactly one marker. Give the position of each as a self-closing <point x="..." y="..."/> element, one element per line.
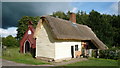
<point x="90" y="52"/>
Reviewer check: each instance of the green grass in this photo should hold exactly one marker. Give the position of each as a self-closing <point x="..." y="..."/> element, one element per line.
<point x="96" y="62"/>
<point x="13" y="54"/>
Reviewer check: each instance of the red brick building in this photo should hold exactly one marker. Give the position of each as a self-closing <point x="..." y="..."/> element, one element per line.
<point x="28" y="43"/>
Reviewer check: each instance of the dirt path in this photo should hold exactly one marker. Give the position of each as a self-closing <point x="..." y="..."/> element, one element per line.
<point x="11" y="63"/>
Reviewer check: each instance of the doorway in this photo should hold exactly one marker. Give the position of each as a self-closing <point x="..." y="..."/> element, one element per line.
<point x="72" y="51"/>
<point x="27" y="47"/>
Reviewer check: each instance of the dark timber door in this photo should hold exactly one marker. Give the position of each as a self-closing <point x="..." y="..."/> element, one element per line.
<point x="27" y="47"/>
<point x="33" y="52"/>
<point x="72" y="51"/>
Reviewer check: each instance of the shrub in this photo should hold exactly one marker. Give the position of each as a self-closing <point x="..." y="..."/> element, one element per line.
<point x="110" y="54"/>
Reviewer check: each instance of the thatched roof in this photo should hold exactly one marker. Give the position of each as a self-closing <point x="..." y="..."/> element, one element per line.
<point x="66" y="30"/>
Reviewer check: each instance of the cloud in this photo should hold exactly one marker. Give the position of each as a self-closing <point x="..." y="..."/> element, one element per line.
<point x="10" y="31"/>
<point x="13" y="11"/>
<point x="114" y="7"/>
<point x="74" y="10"/>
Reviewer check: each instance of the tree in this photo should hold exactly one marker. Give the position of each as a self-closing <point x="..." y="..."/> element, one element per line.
<point x="10" y="41"/>
<point x="60" y="14"/>
<point x="115" y="22"/>
<point x="82" y="18"/>
<point x="23" y="25"/>
<point x="100" y="24"/>
<point x="107" y="31"/>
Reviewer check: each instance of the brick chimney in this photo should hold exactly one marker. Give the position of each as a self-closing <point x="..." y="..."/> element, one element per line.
<point x="72" y="17"/>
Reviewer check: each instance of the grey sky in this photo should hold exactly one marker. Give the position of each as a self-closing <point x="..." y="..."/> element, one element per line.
<point x="13" y="11"/>
<point x="119" y="7"/>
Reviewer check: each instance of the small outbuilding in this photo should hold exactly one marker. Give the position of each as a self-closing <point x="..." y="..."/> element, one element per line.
<point x="28" y="43"/>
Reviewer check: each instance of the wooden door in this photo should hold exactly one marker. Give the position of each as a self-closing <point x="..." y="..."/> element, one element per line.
<point x="72" y="51"/>
<point x="27" y="47"/>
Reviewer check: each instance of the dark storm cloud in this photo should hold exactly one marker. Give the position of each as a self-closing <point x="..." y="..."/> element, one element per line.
<point x="0" y="14"/>
<point x="13" y="11"/>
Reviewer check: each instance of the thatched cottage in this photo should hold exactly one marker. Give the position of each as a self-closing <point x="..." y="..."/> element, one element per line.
<point x="60" y="39"/>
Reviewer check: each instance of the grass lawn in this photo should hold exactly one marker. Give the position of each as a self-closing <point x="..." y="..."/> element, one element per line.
<point x="13" y="54"/>
<point x="96" y="62"/>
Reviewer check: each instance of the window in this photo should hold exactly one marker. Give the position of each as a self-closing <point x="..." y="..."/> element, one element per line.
<point x="29" y="32"/>
<point x="76" y="47"/>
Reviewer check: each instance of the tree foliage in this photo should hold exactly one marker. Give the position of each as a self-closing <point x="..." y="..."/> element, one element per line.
<point x="100" y="24"/>
<point x="23" y="25"/>
<point x="60" y="14"/>
<point x="10" y="41"/>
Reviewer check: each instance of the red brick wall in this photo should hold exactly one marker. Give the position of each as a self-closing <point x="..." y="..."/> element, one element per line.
<point x="28" y="37"/>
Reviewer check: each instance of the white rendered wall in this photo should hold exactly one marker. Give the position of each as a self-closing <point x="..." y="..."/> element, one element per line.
<point x="63" y="49"/>
<point x="44" y="47"/>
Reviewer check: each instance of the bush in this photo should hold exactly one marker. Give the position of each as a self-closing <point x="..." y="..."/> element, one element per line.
<point x="110" y="54"/>
<point x="94" y="54"/>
